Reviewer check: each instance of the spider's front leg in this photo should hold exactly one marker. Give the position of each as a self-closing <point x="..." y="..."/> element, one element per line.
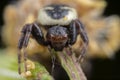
<point x="27" y="30"/>
<point x="76" y="28"/>
<point x="83" y="34"/>
<point x="72" y="35"/>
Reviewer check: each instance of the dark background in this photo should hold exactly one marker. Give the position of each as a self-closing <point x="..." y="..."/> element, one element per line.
<point x="103" y="69"/>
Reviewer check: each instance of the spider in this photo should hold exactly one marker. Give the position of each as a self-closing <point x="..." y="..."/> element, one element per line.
<point x="62" y="25"/>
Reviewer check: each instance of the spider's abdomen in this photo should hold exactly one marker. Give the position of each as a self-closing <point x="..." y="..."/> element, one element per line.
<point x="57" y="15"/>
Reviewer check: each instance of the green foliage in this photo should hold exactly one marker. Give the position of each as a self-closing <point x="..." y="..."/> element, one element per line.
<point x="40" y="72"/>
<point x="9" y="69"/>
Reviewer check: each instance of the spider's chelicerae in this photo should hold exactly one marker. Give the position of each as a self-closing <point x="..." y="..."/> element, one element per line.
<point x="62" y="26"/>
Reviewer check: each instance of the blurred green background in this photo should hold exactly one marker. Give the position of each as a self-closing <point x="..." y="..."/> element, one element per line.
<point x="102" y="69"/>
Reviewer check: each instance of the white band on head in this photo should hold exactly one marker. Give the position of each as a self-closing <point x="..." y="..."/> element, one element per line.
<point x="44" y="19"/>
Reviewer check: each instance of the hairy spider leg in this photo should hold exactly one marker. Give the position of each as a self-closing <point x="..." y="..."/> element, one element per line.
<point x="71" y="50"/>
<point x="38" y="35"/>
<point x="53" y="59"/>
<point x="23" y="42"/>
<point x="24" y="39"/>
<point x="72" y="33"/>
<point x="19" y="62"/>
<point x="76" y="27"/>
<point x="84" y="37"/>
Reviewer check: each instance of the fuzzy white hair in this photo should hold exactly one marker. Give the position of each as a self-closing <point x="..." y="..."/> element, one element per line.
<point x="45" y="19"/>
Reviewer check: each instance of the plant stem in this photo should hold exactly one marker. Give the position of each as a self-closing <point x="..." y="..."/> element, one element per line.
<point x="71" y="65"/>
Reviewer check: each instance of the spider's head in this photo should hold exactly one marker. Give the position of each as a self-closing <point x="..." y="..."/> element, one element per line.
<point x="56" y="14"/>
<point x="58" y="37"/>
